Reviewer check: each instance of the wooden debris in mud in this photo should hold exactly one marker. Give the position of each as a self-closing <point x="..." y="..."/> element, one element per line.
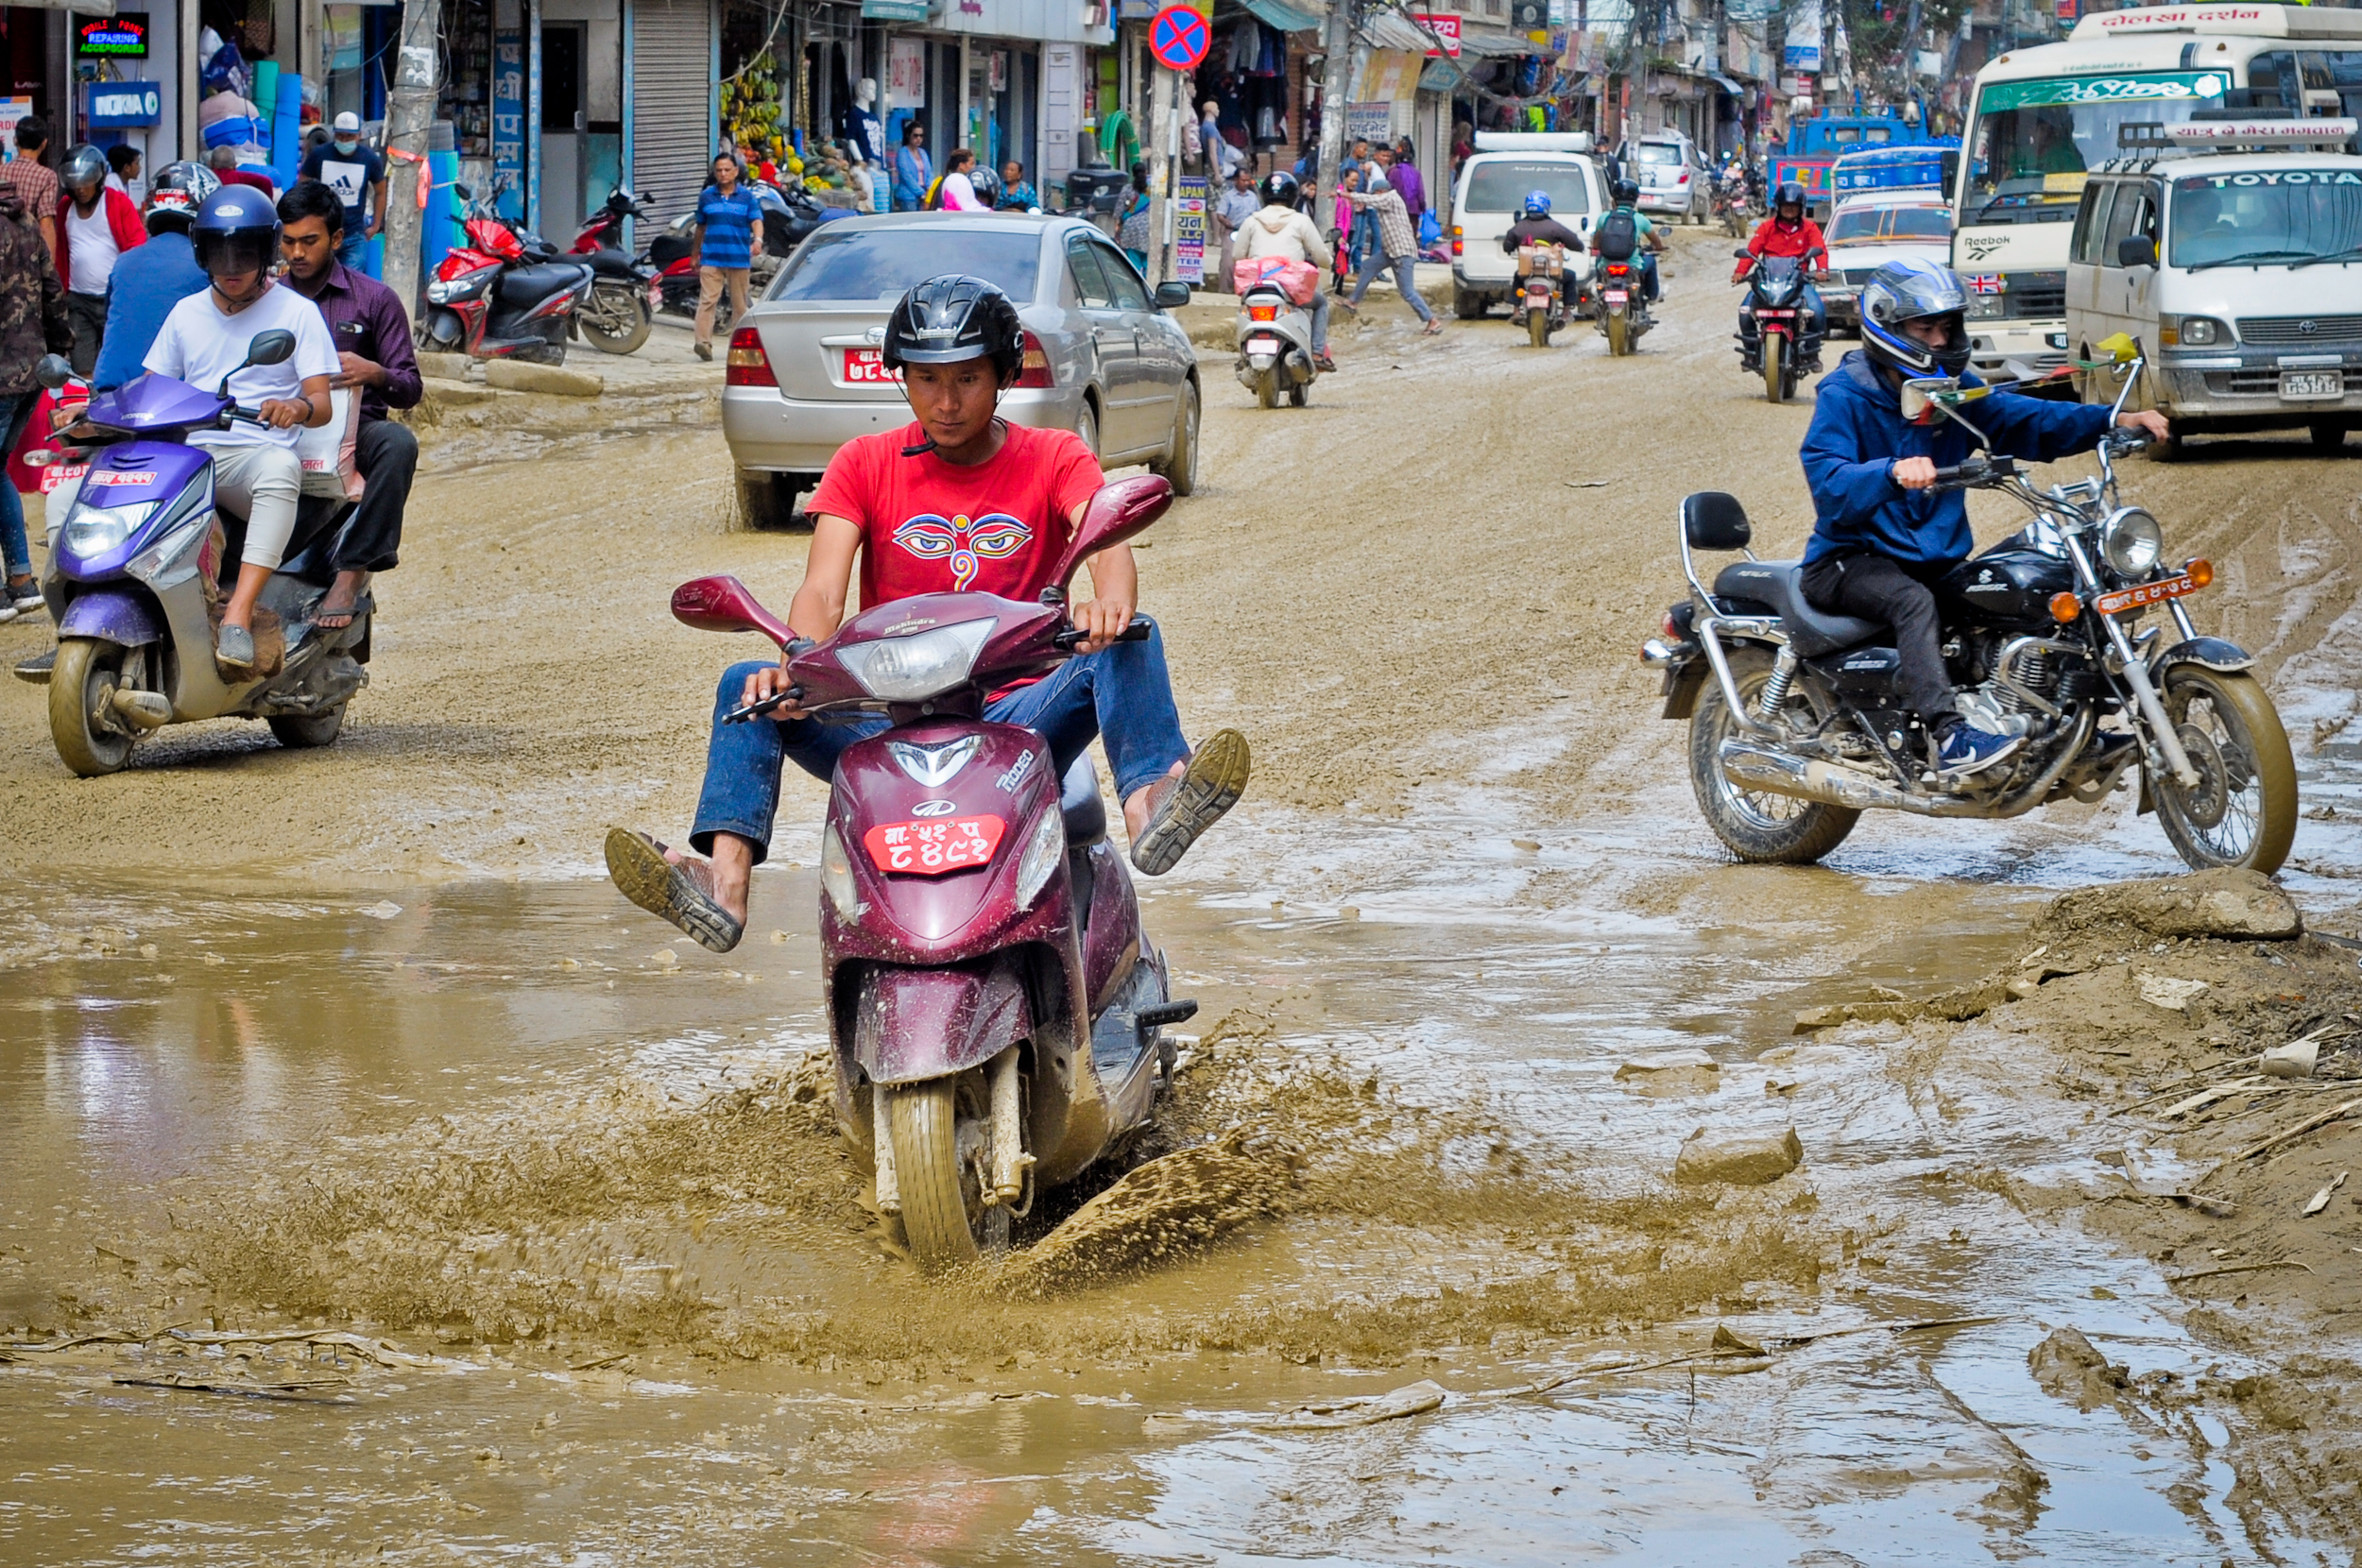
<point x="2237" y="1268"/>
<point x="309" y="1388"/>
<point x="2310" y="1124"/>
<point x="2320" y="1200"/>
<point x="1414" y="1399"/>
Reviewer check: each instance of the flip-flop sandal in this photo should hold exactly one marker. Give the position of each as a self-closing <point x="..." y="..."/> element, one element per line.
<point x="1183" y="807"/>
<point x="351" y="613"/>
<point x="636" y="863"/>
<point x="1434" y="328"/>
<point x="233" y="650"/>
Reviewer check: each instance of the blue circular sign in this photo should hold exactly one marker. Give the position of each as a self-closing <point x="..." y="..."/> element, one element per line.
<point x="1179" y="38"/>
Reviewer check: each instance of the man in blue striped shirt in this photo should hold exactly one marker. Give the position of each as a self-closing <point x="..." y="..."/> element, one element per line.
<point x="729" y="232"/>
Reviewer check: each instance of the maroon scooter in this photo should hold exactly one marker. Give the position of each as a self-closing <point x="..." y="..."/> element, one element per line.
<point x="995" y="1012"/>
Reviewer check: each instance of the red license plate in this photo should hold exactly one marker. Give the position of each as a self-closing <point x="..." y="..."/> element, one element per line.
<point x="929" y="848"/>
<point x="866" y="367"/>
<point x="2146" y="593"/>
<point x="1616" y="295"/>
<point x="57" y="473"/>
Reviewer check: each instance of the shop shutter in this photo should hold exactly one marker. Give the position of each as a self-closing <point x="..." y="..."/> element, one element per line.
<point x="671" y="120"/>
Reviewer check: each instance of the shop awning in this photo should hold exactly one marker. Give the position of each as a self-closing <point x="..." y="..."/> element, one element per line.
<point x="1498" y="42"/>
<point x="1277" y="13"/>
<point x="1386" y="30"/>
<point x="1728" y="86"/>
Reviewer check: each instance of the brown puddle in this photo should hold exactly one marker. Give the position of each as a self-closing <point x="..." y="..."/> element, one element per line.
<point x="588" y="1281"/>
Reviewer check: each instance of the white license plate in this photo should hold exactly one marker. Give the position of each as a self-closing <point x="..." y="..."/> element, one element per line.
<point x="866" y="367"/>
<point x="1616" y="297"/>
<point x="2312" y="383"/>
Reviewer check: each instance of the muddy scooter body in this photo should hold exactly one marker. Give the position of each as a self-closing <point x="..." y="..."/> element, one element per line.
<point x="995" y="1010"/>
<point x="127" y="585"/>
<point x="1275" y="346"/>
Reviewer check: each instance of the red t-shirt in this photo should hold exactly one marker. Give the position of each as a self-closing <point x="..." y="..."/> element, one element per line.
<point x="929" y="526"/>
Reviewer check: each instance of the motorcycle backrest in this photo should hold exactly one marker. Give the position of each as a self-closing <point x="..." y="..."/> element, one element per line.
<point x="1713" y="521"/>
<point x="726" y="604"/>
<point x="1120" y="510"/>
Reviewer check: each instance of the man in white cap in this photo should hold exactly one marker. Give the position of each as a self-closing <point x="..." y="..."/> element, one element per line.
<point x="357" y="175"/>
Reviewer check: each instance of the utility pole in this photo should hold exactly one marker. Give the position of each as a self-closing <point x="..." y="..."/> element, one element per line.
<point x="408" y="112"/>
<point x="1336" y="81"/>
<point x="1162" y="131"/>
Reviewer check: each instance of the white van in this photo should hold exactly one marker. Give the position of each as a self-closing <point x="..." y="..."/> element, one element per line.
<point x="2238" y="273"/>
<point x="1491" y="192"/>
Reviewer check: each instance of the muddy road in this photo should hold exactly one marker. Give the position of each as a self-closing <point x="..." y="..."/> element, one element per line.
<point x="376" y="1185"/>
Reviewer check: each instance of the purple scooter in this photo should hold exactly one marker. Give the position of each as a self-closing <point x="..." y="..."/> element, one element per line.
<point x="126" y="584"/>
<point x="997" y="1011"/>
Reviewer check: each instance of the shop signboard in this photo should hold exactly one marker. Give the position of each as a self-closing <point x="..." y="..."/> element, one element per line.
<point x="120" y="105"/>
<point x="508" y="122"/>
<point x="1369" y="122"/>
<point x="906" y="72"/>
<point x="1188" y="229"/>
<point x="1444" y="26"/>
<point x="11" y="110"/>
<point x="897" y="11"/>
<point x="121" y="36"/>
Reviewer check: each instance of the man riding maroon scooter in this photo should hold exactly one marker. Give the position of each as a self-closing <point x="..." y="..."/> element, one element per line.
<point x="994" y="1005"/>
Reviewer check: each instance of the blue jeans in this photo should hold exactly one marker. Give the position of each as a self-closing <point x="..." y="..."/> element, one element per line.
<point x="353" y="249"/>
<point x="1121" y="693"/>
<point x="13" y="550"/>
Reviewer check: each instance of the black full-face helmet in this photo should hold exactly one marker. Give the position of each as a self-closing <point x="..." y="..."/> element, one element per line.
<point x="1280" y="189"/>
<point x="954" y="317"/>
<point x="1915" y="289"/>
<point x="1788" y="194"/>
<point x="236" y="230"/>
<point x="1624" y="193"/>
<point x="178" y="191"/>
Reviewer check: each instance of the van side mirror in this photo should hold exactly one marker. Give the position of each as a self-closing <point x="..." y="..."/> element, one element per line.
<point x="53" y="371"/>
<point x="1713" y="521"/>
<point x="2136" y="250"/>
<point x="1120" y="510"/>
<point x="1950" y="162"/>
<point x="1171" y="296"/>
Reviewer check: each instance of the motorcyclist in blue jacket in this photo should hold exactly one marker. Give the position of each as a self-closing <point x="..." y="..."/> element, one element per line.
<point x="1882" y="537"/>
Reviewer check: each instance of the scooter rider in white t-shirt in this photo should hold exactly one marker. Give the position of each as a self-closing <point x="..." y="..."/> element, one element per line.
<point x="255" y="468"/>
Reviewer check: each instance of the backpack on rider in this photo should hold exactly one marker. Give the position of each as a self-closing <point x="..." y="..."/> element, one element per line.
<point x="1616" y="235"/>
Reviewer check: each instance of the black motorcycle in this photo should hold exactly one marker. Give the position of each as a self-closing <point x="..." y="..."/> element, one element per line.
<point x="617" y="316"/>
<point x="1776" y="330"/>
<point x="1797" y="722"/>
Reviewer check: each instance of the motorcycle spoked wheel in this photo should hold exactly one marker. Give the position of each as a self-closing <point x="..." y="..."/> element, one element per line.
<point x="603" y="325"/>
<point x="1618" y="334"/>
<point x="1538" y="327"/>
<point x="1757" y="826"/>
<point x="2244" y="811"/>
<point x="942" y="1141"/>
<point x="85" y="675"/>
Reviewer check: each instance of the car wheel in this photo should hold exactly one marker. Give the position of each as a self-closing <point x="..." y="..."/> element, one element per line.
<point x="766" y="502"/>
<point x="1178" y="467"/>
<point x="1087" y="427"/>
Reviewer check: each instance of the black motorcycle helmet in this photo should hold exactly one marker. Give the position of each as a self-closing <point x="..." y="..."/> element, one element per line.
<point x="1624" y="192"/>
<point x="178" y="191"/>
<point x="84" y="169"/>
<point x="1788" y="194"/>
<point x="1280" y="189"/>
<point x="236" y="230"/>
<point x="1914" y="289"/>
<point x="953" y="317"/>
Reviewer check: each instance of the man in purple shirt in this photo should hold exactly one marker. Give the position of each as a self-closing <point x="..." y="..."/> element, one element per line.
<point x="373" y="348"/>
<point x="1405" y="178"/>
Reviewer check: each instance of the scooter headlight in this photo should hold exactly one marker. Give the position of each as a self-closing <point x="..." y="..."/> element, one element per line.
<point x="1042" y="852"/>
<point x="442" y="291"/>
<point x="836" y="873"/>
<point x="96" y="530"/>
<point x="911" y="669"/>
<point x="2132" y="541"/>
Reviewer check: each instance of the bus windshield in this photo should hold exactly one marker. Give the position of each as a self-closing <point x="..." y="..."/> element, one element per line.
<point x="2034" y="140"/>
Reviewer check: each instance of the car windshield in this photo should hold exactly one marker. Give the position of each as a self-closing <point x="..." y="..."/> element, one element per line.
<point x="1501" y="186"/>
<point x="2286" y="215"/>
<point x="1660" y="152"/>
<point x="1878" y="225"/>
<point x="881" y="265"/>
<point x="2034" y="140"/>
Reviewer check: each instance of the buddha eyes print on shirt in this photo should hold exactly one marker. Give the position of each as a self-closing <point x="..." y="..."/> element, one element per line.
<point x="933" y="538"/>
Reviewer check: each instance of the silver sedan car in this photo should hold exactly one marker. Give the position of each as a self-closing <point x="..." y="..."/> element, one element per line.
<point x="1102" y="356"/>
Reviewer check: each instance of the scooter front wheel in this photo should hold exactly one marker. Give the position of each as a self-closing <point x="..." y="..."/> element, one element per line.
<point x="945" y="1221"/>
<point x="83" y="680"/>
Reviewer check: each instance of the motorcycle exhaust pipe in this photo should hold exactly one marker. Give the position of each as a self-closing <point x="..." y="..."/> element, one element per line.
<point x="1782" y="772"/>
<point x="141" y="709"/>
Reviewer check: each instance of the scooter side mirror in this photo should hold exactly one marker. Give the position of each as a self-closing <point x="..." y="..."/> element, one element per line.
<point x="726" y="604"/>
<point x="53" y="371"/>
<point x="275" y="347"/>
<point x="1714" y="521"/>
<point x="463" y="191"/>
<point x="1120" y="510"/>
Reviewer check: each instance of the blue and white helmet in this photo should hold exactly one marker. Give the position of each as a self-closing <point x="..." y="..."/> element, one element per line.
<point x="1915" y="290"/>
<point x="1537" y="204"/>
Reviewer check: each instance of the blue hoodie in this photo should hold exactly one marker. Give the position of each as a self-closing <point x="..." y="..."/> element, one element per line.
<point x="1858" y="431"/>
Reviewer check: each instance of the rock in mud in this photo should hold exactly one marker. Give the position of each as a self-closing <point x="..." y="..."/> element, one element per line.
<point x="516" y="376"/>
<point x="2174" y="996"/>
<point x="1672" y="1072"/>
<point x="1746" y="1159"/>
<point x="2069" y="1366"/>
<point x="2223" y="903"/>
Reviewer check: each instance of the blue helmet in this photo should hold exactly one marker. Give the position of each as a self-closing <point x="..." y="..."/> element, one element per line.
<point x="235" y="230"/>
<point x="1537" y="204"/>
<point x="1915" y="290"/>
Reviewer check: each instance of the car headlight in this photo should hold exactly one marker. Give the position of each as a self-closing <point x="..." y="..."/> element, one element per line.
<point x="911" y="669"/>
<point x="836" y="873"/>
<point x="96" y="530"/>
<point x="1042" y="855"/>
<point x="1985" y="307"/>
<point x="2132" y="541"/>
<point x="2200" y="332"/>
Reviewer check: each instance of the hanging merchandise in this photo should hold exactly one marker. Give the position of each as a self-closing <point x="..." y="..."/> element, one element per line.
<point x="750" y="107"/>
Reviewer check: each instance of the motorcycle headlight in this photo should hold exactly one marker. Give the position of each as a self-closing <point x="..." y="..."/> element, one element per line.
<point x="911" y="669"/>
<point x="442" y="291"/>
<point x="96" y="530"/>
<point x="1042" y="852"/>
<point x="836" y="873"/>
<point x="2132" y="541"/>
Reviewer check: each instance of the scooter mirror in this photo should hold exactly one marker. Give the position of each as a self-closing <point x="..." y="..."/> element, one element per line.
<point x="53" y="371"/>
<point x="275" y="347"/>
<point x="1919" y="396"/>
<point x="726" y="604"/>
<point x="1120" y="510"/>
<point x="462" y="191"/>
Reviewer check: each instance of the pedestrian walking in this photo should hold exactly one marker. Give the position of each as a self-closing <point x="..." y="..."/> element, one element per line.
<point x="123" y="170"/>
<point x="1131" y="226"/>
<point x="32" y="323"/>
<point x="914" y="172"/>
<point x="1398" y="247"/>
<point x="95" y="224"/>
<point x="1238" y="204"/>
<point x="34" y="181"/>
<point x="729" y="232"/>
<point x="357" y="175"/>
<point x="1340" y="228"/>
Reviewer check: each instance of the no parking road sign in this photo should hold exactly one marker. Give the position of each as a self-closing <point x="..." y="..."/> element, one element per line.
<point x="1179" y="38"/>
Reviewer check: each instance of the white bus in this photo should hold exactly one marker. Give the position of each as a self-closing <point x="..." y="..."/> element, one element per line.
<point x="2044" y="116"/>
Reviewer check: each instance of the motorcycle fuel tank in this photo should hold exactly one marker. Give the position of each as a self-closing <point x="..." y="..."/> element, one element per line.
<point x="2010" y="587"/>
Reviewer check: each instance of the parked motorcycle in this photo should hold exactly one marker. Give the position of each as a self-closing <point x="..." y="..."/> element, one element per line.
<point x="1730" y="205"/>
<point x="618" y="313"/>
<point x="671" y="258"/>
<point x="1797" y="723"/>
<point x="1775" y="307"/>
<point x="1541" y="305"/>
<point x="134" y="574"/>
<point x="502" y="295"/>
<point x="1620" y="304"/>
<point x="995" y="1012"/>
<point x="1275" y="346"/>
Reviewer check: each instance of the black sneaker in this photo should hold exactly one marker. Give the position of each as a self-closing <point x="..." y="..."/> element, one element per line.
<point x="35" y="671"/>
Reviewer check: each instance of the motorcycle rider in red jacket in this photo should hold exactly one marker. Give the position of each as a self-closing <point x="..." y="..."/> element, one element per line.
<point x="1788" y="231"/>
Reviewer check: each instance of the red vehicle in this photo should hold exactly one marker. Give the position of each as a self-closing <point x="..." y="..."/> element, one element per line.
<point x="995" y="1009"/>
<point x="502" y="295"/>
